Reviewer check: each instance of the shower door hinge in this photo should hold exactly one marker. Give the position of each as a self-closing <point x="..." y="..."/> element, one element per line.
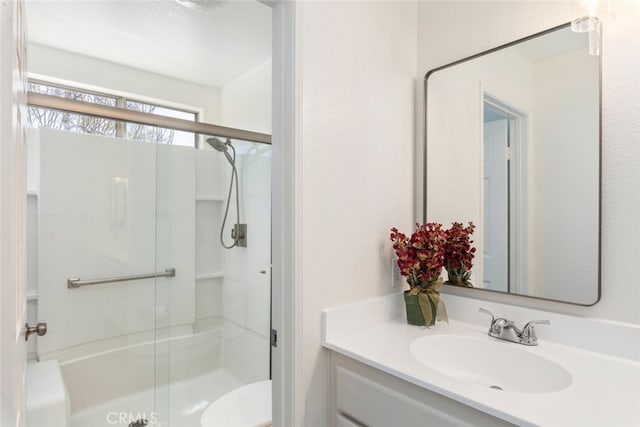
<point x="274" y="338"/>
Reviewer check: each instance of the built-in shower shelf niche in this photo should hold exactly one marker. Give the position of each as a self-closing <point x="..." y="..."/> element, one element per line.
<point x="209" y="198"/>
<point x="204" y="276"/>
<point x="209" y="254"/>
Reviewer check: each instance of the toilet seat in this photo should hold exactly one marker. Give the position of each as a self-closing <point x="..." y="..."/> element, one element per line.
<point x="246" y="406"/>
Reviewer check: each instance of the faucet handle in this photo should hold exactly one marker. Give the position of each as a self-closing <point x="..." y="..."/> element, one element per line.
<point x="528" y="335"/>
<point x="497" y="324"/>
<point x="485" y="311"/>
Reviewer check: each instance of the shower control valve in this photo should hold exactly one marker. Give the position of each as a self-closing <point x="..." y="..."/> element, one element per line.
<point x="239" y="235"/>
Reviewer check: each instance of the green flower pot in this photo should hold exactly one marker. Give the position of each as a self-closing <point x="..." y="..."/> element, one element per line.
<point x="414" y="312"/>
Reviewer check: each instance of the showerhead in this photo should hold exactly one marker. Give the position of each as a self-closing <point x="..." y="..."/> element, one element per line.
<point x="218" y="144"/>
<point x="221" y="146"/>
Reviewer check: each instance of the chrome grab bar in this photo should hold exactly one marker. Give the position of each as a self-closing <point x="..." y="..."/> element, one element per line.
<point x="74" y="282"/>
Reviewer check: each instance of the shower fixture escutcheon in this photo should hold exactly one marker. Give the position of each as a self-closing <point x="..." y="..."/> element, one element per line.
<point x="239" y="235"/>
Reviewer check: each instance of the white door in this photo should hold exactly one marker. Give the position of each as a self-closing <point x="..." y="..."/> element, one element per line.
<point x="496" y="206"/>
<point x="12" y="217"/>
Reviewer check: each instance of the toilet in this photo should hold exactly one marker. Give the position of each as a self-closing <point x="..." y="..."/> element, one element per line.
<point x="246" y="406"/>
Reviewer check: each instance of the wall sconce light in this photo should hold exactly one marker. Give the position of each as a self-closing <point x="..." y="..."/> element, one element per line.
<point x="589" y="15"/>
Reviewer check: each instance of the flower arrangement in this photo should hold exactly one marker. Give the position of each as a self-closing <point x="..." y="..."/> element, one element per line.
<point x="421" y="259"/>
<point x="421" y="255"/>
<point x="459" y="254"/>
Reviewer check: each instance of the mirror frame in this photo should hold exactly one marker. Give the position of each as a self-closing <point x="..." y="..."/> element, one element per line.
<point x="425" y="171"/>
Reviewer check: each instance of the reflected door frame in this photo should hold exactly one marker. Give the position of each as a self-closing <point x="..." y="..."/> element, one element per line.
<point x="519" y="195"/>
<point x="495" y="222"/>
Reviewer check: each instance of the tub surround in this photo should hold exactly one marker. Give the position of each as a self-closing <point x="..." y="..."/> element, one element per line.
<point x="596" y="353"/>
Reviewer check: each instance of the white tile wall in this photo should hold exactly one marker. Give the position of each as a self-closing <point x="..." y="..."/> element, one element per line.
<point x="97" y="217"/>
<point x="208" y="298"/>
<point x="246" y="293"/>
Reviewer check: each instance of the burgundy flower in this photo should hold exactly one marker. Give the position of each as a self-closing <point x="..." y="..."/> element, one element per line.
<point x="420" y="256"/>
<point x="458" y="252"/>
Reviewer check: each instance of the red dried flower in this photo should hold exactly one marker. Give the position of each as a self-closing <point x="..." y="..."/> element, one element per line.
<point x="458" y="252"/>
<point x="421" y="256"/>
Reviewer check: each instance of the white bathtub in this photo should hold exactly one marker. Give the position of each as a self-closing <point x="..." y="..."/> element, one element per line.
<point x="167" y="381"/>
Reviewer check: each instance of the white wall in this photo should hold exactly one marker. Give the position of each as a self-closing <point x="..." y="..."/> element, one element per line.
<point x="358" y="88"/>
<point x="452" y="30"/>
<point x="564" y="177"/>
<point x="101" y="74"/>
<point x="245" y="102"/>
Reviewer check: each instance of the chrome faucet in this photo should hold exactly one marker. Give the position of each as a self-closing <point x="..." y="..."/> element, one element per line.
<point x="504" y="329"/>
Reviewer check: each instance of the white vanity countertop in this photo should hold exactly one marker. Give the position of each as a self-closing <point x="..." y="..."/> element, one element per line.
<point x="605" y="389"/>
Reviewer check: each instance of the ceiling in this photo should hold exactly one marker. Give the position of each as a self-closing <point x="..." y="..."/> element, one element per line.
<point x="553" y="44"/>
<point x="208" y="42"/>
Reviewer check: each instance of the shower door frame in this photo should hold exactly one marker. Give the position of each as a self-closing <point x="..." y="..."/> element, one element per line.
<point x="286" y="192"/>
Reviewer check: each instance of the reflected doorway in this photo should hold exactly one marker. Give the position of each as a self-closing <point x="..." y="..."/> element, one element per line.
<point x="504" y="200"/>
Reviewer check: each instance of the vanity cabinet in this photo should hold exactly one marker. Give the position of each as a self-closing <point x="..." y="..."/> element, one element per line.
<point x="362" y="396"/>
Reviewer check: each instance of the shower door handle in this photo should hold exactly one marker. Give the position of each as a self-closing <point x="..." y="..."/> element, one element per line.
<point x="40" y="329"/>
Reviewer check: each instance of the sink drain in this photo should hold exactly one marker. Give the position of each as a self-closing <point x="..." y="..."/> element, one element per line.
<point x="496" y="387"/>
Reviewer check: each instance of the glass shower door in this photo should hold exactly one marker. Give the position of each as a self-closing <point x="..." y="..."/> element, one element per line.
<point x="159" y="350"/>
<point x="92" y="234"/>
<point x="212" y="319"/>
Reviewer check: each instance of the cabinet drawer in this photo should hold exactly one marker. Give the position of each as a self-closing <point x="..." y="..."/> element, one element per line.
<point x="372" y="398"/>
<point x="378" y="406"/>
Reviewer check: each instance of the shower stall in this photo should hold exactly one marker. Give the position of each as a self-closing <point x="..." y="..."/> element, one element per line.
<point x="148" y="315"/>
<point x="148" y="237"/>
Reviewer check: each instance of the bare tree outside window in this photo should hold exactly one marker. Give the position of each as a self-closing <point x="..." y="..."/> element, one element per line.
<point x="71" y="122"/>
<point x="147" y="133"/>
<point x="74" y="122"/>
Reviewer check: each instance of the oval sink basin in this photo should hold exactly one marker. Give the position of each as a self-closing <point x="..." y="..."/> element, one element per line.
<point x="494" y="364"/>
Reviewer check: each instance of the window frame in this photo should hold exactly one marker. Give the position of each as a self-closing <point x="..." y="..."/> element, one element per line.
<point x="121" y="100"/>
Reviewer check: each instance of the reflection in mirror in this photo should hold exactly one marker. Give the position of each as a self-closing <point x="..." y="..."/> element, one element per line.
<point x="513" y="145"/>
